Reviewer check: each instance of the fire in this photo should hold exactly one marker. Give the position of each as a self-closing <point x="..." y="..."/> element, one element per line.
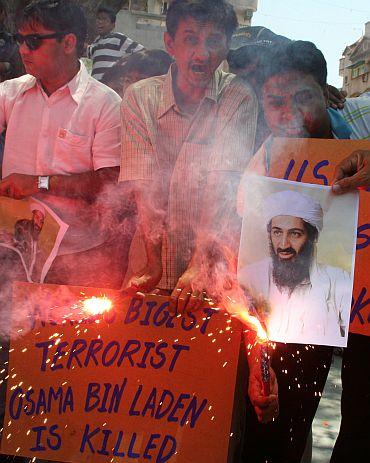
<point x="242" y="313"/>
<point x="97" y="305"/>
<point x="255" y="325"/>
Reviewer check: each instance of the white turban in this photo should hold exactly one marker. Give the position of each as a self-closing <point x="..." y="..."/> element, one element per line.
<point x="294" y="204"/>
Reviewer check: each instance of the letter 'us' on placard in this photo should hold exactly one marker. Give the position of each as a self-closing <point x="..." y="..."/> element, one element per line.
<point x="314" y="161"/>
<point x="95" y="377"/>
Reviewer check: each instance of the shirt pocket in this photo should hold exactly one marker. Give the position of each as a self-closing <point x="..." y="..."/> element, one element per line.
<point x="72" y="152"/>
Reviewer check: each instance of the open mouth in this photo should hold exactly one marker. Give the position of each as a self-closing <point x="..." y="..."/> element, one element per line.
<point x="199" y="68"/>
<point x="299" y="131"/>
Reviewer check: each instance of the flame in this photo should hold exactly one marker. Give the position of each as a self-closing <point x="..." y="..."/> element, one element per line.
<point x="242" y="313"/>
<point x="255" y="325"/>
<point x="97" y="305"/>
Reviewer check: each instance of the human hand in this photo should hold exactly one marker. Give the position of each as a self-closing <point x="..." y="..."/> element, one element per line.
<point x="19" y="186"/>
<point x="266" y="407"/>
<point x="353" y="172"/>
<point x="336" y="97"/>
<point x="187" y="295"/>
<point x="144" y="281"/>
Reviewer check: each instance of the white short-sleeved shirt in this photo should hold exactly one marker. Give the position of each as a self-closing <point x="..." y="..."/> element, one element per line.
<point x="74" y="130"/>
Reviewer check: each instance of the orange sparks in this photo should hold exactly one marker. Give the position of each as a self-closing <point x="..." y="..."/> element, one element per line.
<point x="97" y="305"/>
<point x="255" y="324"/>
<point x="242" y="314"/>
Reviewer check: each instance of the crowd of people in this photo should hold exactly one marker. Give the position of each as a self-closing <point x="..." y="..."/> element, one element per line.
<point x="150" y="152"/>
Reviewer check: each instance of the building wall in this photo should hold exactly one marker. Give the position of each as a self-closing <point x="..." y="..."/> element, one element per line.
<point x="144" y="23"/>
<point x="354" y="66"/>
<point x="148" y="32"/>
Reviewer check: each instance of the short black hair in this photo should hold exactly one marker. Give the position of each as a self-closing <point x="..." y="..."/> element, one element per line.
<point x="147" y="63"/>
<point x="109" y="12"/>
<point x="57" y="15"/>
<point x="218" y="12"/>
<point x="312" y="232"/>
<point x="296" y="55"/>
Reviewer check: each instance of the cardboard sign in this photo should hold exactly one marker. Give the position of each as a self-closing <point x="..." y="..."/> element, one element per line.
<point x="133" y="384"/>
<point x="314" y="161"/>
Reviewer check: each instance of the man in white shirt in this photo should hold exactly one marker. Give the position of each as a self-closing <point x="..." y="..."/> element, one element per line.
<point x="63" y="136"/>
<point x="62" y="141"/>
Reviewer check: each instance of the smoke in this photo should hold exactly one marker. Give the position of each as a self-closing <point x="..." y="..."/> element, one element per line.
<point x="191" y="200"/>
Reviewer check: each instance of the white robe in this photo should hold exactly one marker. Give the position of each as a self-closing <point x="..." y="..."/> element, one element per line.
<point x="316" y="312"/>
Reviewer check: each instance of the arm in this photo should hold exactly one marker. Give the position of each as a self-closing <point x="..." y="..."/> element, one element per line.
<point x="336" y="98"/>
<point x="104" y="160"/>
<point x="353" y="172"/>
<point x="266" y="407"/>
<point x="138" y="167"/>
<point x="220" y="224"/>
<point x="129" y="46"/>
<point x="85" y="186"/>
<point x="150" y="225"/>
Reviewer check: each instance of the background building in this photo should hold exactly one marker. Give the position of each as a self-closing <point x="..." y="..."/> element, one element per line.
<point x="144" y="20"/>
<point x="354" y="66"/>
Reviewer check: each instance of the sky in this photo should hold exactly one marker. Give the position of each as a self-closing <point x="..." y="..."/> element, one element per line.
<point x="330" y="24"/>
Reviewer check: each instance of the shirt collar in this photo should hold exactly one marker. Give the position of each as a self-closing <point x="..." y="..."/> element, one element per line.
<point x="77" y="85"/>
<point x="168" y="98"/>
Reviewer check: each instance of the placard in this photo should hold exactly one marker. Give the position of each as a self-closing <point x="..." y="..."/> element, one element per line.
<point x="314" y="161"/>
<point x="132" y="384"/>
<point x="296" y="259"/>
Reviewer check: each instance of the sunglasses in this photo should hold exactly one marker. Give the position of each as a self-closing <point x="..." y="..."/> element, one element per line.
<point x="33" y="41"/>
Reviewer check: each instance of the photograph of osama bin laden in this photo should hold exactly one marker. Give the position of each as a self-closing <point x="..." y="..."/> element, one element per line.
<point x="30" y="235"/>
<point x="296" y="259"/>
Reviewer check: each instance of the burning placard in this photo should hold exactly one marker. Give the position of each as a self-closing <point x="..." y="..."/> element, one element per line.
<point x="297" y="259"/>
<point x="94" y="377"/>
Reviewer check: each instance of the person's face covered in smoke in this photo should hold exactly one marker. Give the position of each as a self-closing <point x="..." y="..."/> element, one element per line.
<point x="291" y="248"/>
<point x="295" y="106"/>
<point x="198" y="49"/>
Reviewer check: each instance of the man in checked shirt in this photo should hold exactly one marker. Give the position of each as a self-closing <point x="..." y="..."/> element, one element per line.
<point x="186" y="137"/>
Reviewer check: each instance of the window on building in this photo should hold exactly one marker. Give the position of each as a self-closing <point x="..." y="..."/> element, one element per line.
<point x="164" y="7"/>
<point x="358" y="71"/>
<point x="139" y="5"/>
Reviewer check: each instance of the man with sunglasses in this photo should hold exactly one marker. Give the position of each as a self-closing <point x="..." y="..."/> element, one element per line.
<point x="62" y="142"/>
<point x="63" y="137"/>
